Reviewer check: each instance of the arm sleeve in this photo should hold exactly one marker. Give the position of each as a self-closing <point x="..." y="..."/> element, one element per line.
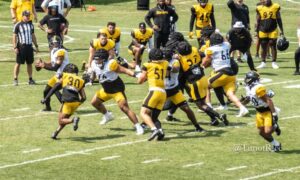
<point x="212" y="17"/>
<point x="148" y="18"/>
<point x="16" y="29"/>
<point x="231" y="4"/>
<point x="248" y="16"/>
<point x="193" y="17"/>
<point x="32" y="28"/>
<point x="44" y="20"/>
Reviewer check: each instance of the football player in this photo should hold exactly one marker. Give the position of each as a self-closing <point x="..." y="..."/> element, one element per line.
<point x="155" y="72"/>
<point x="72" y="97"/>
<point x="113" y="88"/>
<point x="102" y="42"/>
<point x="297" y="54"/>
<point x="218" y="56"/>
<point x="114" y="33"/>
<point x="203" y="13"/>
<point x="58" y="60"/>
<point x="174" y="93"/>
<point x="140" y="38"/>
<point x="268" y="16"/>
<point x="266" y="116"/>
<point x="190" y="61"/>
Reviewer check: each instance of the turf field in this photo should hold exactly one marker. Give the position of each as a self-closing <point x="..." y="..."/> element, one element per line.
<point x="114" y="151"/>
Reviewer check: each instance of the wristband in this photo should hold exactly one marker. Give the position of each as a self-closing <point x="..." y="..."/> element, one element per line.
<point x="274" y="114"/>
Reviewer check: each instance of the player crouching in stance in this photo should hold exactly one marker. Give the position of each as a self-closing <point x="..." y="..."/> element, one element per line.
<point x="190" y="60"/>
<point x="72" y="97"/>
<point x="223" y="75"/>
<point x="155" y="71"/>
<point x="266" y="116"/>
<point x="58" y="60"/>
<point x="113" y="88"/>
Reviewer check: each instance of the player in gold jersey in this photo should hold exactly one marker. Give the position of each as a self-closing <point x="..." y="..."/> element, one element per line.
<point x="155" y="72"/>
<point x="203" y="13"/>
<point x="190" y="61"/>
<point x="268" y="17"/>
<point x="114" y="33"/>
<point x="72" y="97"/>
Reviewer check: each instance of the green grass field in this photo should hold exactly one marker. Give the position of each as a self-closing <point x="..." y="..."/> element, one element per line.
<point x="114" y="151"/>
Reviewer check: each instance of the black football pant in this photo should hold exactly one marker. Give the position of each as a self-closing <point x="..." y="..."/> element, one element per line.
<point x="160" y="39"/>
<point x="297" y="59"/>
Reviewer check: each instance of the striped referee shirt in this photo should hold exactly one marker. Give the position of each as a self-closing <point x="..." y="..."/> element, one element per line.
<point x="24" y="31"/>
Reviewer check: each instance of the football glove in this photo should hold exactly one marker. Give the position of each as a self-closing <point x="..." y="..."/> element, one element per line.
<point x="191" y="34"/>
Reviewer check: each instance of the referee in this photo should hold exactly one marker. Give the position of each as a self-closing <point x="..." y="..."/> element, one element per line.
<point x="23" y="37"/>
<point x="162" y="15"/>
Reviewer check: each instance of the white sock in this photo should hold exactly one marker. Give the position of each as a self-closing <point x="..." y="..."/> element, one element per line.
<point x="137" y="125"/>
<point x="170" y="114"/>
<point x="275" y="143"/>
<point x="154" y="128"/>
<point x="106" y="114"/>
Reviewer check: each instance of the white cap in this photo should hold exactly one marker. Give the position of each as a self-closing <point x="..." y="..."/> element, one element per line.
<point x="238" y="24"/>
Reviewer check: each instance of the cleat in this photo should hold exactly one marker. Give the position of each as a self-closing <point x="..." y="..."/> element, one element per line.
<point x="75" y="123"/>
<point x="161" y="135"/>
<point x="221" y="108"/>
<point x="223" y="118"/>
<point x="171" y="118"/>
<point x="240" y="60"/>
<point x="274" y="65"/>
<point x="200" y="130"/>
<point x="296" y="73"/>
<point x="83" y="65"/>
<point x="155" y="133"/>
<point x="262" y="65"/>
<point x="16" y="83"/>
<point x="276" y="148"/>
<point x="107" y="118"/>
<point x="47" y="109"/>
<point x="31" y="82"/>
<point x="54" y="135"/>
<point x="243" y="112"/>
<point x="139" y="130"/>
<point x="214" y="122"/>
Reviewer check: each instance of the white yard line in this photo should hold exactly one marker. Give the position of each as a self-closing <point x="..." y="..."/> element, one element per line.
<point x="151" y="161"/>
<point x="24" y="83"/>
<point x="292" y="1"/>
<point x="110" y="158"/>
<point x="20" y="109"/>
<point x="30" y="151"/>
<point x="236" y="168"/>
<point x="272" y="173"/>
<point x="192" y="165"/>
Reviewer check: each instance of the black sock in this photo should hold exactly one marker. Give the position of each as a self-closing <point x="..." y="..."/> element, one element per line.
<point x="15" y="79"/>
<point x="197" y="126"/>
<point x="250" y="62"/>
<point x="297" y="59"/>
<point x="212" y="113"/>
<point x="30" y="79"/>
<point x="220" y="95"/>
<point x="269" y="139"/>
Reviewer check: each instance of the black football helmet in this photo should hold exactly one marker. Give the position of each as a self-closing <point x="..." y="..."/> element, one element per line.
<point x="101" y="54"/>
<point x="203" y="1"/>
<point x="56" y="42"/>
<point x="216" y="39"/>
<point x="168" y="54"/>
<point x="71" y="68"/>
<point x="156" y="54"/>
<point x="184" y="48"/>
<point x="282" y="44"/>
<point x="251" y="77"/>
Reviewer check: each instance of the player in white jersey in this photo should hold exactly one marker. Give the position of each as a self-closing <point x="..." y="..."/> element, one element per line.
<point x="217" y="55"/>
<point x="174" y="94"/>
<point x="113" y="88"/>
<point x="59" y="59"/>
<point x="60" y="4"/>
<point x="266" y="116"/>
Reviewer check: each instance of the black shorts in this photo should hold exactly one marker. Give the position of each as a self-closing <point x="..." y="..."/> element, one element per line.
<point x="25" y="54"/>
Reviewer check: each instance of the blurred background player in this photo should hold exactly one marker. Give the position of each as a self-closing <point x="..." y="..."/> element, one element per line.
<point x="240" y="39"/>
<point x="173" y="25"/>
<point x="23" y="37"/>
<point x="268" y="16"/>
<point x="17" y="7"/>
<point x="57" y="25"/>
<point x="193" y="72"/>
<point x="114" y="33"/>
<point x="140" y="38"/>
<point x="218" y="56"/>
<point x="266" y="114"/>
<point x="203" y="13"/>
<point x="72" y="97"/>
<point x="161" y="16"/>
<point x="58" y="60"/>
<point x="61" y="6"/>
<point x="113" y="88"/>
<point x="239" y="12"/>
<point x="154" y="71"/>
